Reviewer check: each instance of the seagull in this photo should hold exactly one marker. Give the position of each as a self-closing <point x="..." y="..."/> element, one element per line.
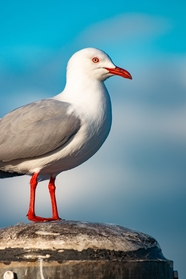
<point x="47" y="137"/>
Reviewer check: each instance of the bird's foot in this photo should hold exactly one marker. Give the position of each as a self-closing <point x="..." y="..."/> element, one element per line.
<point x="34" y="218"/>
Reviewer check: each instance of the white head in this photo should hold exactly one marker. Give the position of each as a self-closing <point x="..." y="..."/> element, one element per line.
<point x="94" y="64"/>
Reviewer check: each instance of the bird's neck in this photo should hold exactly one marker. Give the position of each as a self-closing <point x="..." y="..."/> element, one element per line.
<point x="88" y="99"/>
<point x="84" y="91"/>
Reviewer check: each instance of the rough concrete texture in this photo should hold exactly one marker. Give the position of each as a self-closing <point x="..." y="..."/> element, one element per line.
<point x="69" y="249"/>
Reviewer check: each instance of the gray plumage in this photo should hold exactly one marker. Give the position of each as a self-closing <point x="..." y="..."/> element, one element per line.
<point x="36" y="129"/>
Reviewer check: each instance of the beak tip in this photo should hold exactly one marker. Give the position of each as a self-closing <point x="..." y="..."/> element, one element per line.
<point x="119" y="72"/>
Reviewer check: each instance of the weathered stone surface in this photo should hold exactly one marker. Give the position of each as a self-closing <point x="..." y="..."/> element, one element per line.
<point x="71" y="249"/>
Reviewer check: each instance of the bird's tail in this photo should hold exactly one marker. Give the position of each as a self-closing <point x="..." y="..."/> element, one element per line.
<point x="4" y="174"/>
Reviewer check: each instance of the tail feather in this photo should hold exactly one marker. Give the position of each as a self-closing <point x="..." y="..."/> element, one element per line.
<point x="4" y="174"/>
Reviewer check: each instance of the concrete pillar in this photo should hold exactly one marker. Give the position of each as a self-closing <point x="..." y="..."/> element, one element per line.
<point x="80" y="250"/>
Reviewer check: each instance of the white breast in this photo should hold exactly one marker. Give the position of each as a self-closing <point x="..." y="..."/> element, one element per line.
<point x="94" y="110"/>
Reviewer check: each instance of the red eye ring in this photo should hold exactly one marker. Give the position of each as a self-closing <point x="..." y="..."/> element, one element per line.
<point x="95" y="59"/>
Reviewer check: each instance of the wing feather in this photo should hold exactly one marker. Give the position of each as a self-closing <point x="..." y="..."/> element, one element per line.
<point x="36" y="129"/>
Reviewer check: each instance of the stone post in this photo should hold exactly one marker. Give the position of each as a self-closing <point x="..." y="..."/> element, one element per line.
<point x="80" y="250"/>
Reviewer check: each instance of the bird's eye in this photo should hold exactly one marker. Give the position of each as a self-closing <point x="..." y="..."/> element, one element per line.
<point x="95" y="59"/>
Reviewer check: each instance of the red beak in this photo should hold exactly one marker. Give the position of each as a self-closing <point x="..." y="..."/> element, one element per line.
<point x="119" y="72"/>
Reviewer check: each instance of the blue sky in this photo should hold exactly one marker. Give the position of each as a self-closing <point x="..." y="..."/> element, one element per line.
<point x="138" y="178"/>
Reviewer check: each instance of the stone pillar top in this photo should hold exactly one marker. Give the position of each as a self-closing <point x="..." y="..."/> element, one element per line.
<point x="74" y="239"/>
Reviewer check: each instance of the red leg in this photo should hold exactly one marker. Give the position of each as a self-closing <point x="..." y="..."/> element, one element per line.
<point x="31" y="211"/>
<point x="33" y="184"/>
<point x="52" y="188"/>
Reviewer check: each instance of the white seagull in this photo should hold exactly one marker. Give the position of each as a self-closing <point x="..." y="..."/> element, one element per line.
<point x="47" y="137"/>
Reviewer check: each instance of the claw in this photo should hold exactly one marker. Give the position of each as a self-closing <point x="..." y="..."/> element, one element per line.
<point x="35" y="218"/>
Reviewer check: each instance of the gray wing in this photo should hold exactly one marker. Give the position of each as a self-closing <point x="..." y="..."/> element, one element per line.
<point x="36" y="129"/>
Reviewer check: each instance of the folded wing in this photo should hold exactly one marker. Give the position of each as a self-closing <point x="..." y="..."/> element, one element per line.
<point x="36" y="129"/>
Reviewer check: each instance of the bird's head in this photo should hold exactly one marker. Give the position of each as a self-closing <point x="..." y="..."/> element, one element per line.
<point x="95" y="64"/>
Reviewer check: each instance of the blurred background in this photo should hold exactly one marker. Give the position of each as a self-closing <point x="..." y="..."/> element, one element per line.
<point x="138" y="178"/>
